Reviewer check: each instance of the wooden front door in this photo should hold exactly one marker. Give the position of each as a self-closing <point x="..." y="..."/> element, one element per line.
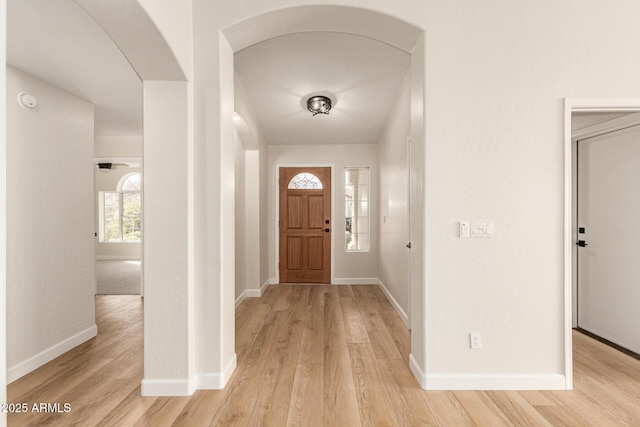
<point x="305" y="225"/>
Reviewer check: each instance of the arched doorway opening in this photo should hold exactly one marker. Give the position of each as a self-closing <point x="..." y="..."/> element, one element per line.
<point x="189" y="157"/>
<point x="384" y="29"/>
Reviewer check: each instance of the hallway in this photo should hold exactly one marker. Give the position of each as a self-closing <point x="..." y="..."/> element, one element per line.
<point x="312" y="355"/>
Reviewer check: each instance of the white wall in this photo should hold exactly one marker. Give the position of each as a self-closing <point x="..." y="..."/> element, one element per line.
<point x="248" y="234"/>
<point x="50" y="259"/>
<point x="393" y="225"/>
<point x="348" y="265"/>
<point x="169" y="343"/>
<point x="3" y="213"/>
<point x="497" y="73"/>
<point x="255" y="223"/>
<point x="241" y="238"/>
<point x="255" y="185"/>
<point x="117" y="146"/>
<point x="108" y="181"/>
<point x="174" y="19"/>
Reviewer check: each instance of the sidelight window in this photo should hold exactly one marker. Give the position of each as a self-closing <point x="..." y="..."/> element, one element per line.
<point x="357" y="198"/>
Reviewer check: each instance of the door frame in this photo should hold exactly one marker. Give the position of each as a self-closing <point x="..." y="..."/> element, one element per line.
<point x="575" y="105"/>
<point x="331" y="166"/>
<point x="409" y="143"/>
<point x="115" y="159"/>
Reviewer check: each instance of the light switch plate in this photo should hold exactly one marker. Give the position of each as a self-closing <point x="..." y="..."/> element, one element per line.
<point x="482" y="229"/>
<point x="465" y="229"/>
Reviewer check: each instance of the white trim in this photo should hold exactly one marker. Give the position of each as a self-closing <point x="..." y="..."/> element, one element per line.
<point x="420" y="375"/>
<point x="571" y="105"/>
<point x="167" y="387"/>
<point x="332" y="167"/>
<point x="252" y="293"/>
<point x="217" y="381"/>
<point x="272" y="281"/>
<point x="50" y="353"/>
<point x="494" y="382"/>
<point x="264" y="287"/>
<point x="403" y="315"/>
<point x="186" y="387"/>
<point x="357" y="281"/>
<point x="241" y="298"/>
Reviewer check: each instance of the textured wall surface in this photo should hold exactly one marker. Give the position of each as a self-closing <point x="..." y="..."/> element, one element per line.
<point x="497" y="73"/>
<point x="393" y="224"/>
<point x="50" y="261"/>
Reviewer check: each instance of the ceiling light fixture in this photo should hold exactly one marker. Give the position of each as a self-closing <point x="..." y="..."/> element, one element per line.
<point x="319" y="104"/>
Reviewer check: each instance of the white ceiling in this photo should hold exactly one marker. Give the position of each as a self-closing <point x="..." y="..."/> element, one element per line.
<point x="361" y="75"/>
<point x="58" y="42"/>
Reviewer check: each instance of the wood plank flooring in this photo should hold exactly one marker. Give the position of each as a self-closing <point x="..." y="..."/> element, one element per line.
<point x="312" y="355"/>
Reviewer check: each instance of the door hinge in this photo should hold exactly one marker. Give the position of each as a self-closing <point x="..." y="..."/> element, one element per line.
<point x="409" y="245"/>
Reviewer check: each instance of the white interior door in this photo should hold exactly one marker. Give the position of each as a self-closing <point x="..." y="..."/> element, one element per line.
<point x="608" y="222"/>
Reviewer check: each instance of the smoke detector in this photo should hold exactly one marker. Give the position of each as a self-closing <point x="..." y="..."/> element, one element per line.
<point x="27" y="101"/>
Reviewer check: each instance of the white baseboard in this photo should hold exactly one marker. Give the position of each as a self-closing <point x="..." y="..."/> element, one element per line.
<point x="252" y="293"/>
<point x="272" y="281"/>
<point x="394" y="304"/>
<point x="494" y="382"/>
<point x="186" y="387"/>
<point x="256" y="293"/>
<point x="45" y="356"/>
<point x="485" y="381"/>
<point x="168" y="387"/>
<point x="265" y="286"/>
<point x="357" y="281"/>
<point x="241" y="298"/>
<point x="217" y="381"/>
<point x="420" y="375"/>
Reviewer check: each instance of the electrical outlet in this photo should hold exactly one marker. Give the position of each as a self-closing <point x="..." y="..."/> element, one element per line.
<point x="476" y="341"/>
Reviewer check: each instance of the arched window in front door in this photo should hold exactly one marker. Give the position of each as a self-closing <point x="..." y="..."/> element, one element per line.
<point x="305" y="181"/>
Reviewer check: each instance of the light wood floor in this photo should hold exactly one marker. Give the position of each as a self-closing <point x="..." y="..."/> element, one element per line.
<point x="312" y="356"/>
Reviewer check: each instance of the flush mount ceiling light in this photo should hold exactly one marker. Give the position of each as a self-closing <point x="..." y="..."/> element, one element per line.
<point x="319" y="104"/>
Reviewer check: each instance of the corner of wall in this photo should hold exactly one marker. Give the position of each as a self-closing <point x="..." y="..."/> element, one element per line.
<point x="403" y="315"/>
<point x="3" y="219"/>
<point x="186" y="387"/>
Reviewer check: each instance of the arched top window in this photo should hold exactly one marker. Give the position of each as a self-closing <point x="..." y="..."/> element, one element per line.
<point x="305" y="181"/>
<point x="120" y="217"/>
<point x="130" y="182"/>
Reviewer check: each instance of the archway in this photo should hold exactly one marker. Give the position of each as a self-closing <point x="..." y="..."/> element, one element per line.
<point x="382" y="28"/>
<point x="188" y="158"/>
